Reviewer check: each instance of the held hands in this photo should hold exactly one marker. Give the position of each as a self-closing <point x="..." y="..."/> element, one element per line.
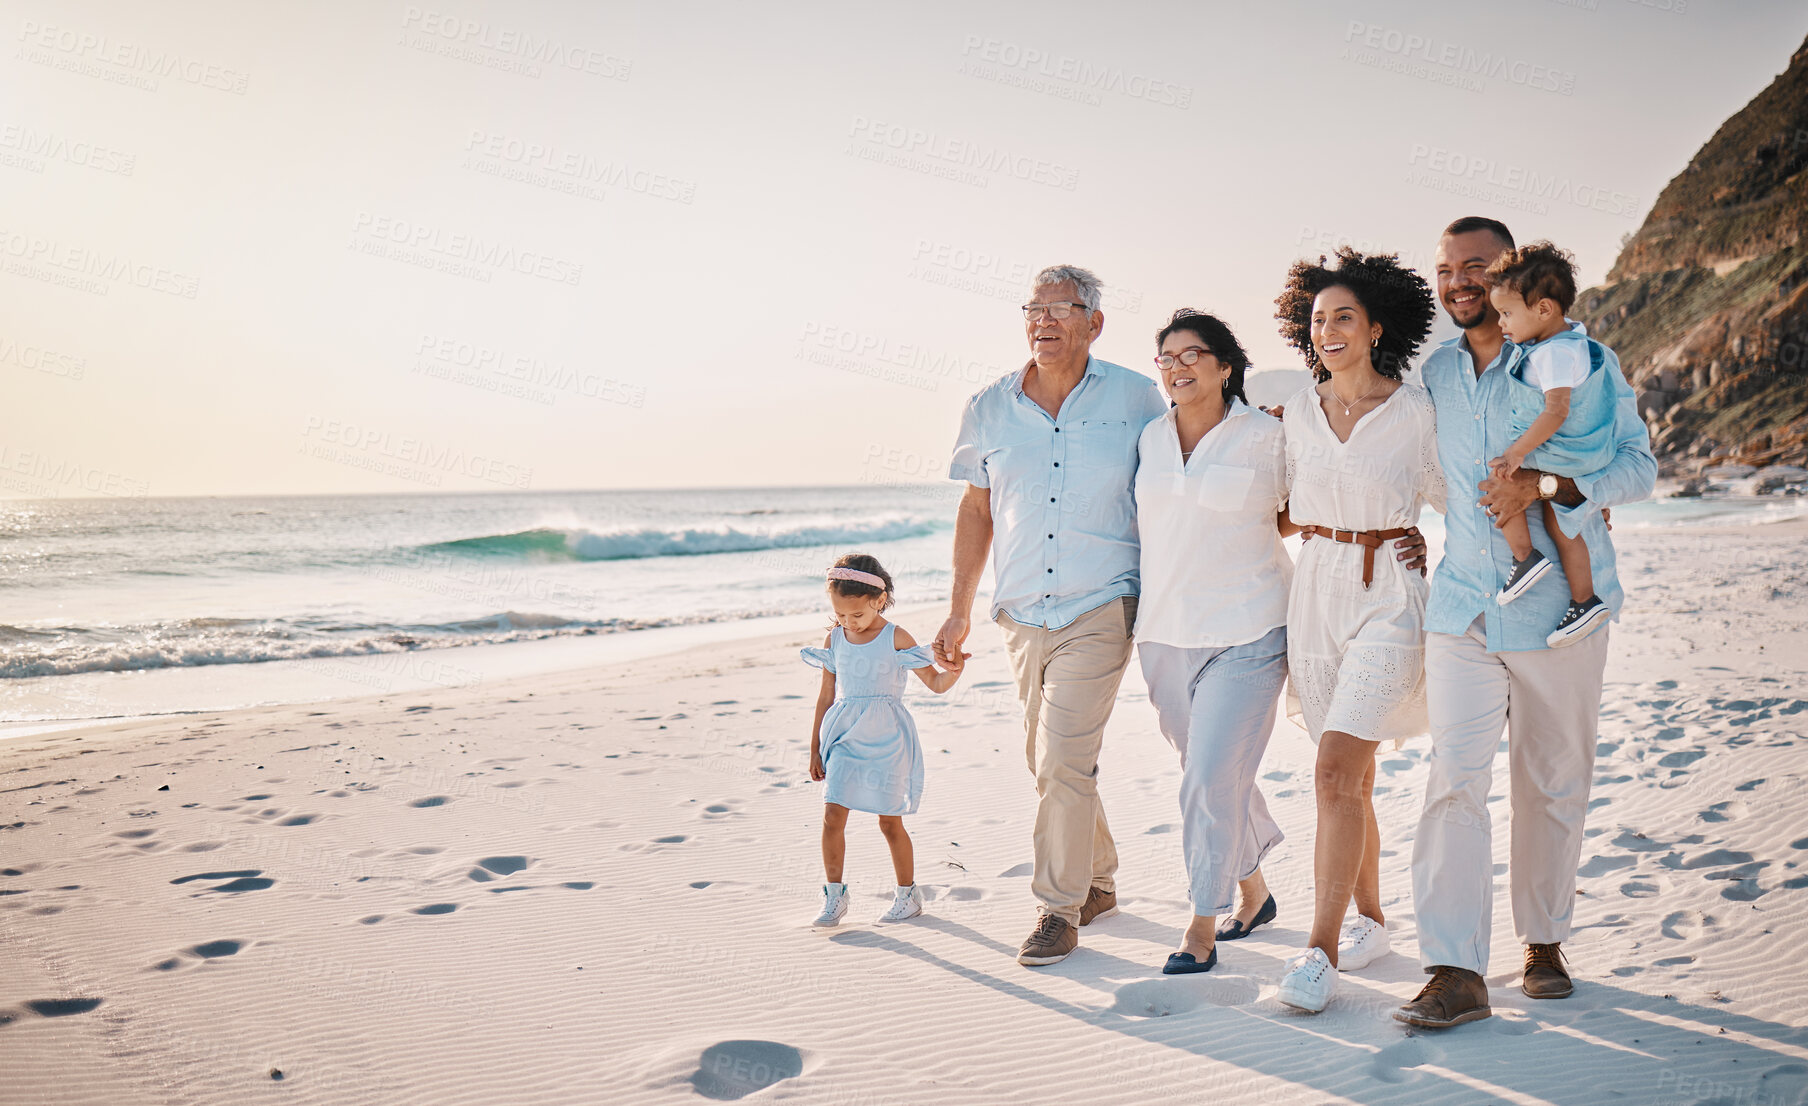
<point x="947" y="645"/>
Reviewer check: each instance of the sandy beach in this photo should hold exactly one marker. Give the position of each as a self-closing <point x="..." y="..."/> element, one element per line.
<point x="594" y="886"/>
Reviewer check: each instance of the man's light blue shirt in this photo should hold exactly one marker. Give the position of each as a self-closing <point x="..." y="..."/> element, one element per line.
<point x="1474" y="427"/>
<point x="1062" y="490"/>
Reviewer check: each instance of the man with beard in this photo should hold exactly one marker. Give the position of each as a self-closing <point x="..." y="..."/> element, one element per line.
<point x="1488" y="667"/>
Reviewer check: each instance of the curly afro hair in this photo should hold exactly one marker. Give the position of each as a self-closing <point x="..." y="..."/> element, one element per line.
<point x="1393" y="295"/>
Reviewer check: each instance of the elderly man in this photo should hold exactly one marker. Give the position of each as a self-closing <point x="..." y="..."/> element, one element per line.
<point x="1488" y="667"/>
<point x="1049" y="457"/>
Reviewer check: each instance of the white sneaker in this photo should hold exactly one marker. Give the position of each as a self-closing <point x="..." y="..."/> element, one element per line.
<point x="1309" y="981"/>
<point x="1363" y="941"/>
<point x="907" y="904"/>
<point x="834" y="905"/>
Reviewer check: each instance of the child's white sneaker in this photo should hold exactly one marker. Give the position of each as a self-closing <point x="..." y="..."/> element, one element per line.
<point x="1309" y="981"/>
<point x="1363" y="941"/>
<point x="907" y="904"/>
<point x="834" y="905"/>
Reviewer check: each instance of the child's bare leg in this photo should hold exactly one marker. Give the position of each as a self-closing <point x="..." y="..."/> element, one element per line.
<point x="1519" y="536"/>
<point x="834" y="840"/>
<point x="1572" y="553"/>
<point x="903" y="856"/>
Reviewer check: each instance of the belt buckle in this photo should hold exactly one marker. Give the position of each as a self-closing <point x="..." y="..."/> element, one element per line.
<point x="1347" y="537"/>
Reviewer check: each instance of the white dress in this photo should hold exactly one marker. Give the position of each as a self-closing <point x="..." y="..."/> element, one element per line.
<point x="1355" y="654"/>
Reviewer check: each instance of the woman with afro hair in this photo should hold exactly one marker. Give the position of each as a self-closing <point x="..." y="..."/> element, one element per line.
<point x="1361" y="463"/>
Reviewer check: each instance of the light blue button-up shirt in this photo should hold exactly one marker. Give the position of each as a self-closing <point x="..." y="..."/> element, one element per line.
<point x="1062" y="490"/>
<point x="1474" y="427"/>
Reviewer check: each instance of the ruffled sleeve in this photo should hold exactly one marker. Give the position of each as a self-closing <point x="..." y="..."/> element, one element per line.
<point x="819" y="658"/>
<point x="917" y="656"/>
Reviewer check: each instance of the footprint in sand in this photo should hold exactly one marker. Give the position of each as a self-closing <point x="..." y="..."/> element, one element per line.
<point x="730" y="1070"/>
<point x="206" y="950"/>
<point x="1165" y="827"/>
<point x="491" y="867"/>
<point x="1685" y="925"/>
<point x="724" y="809"/>
<point x="1601" y="865"/>
<point x="435" y="908"/>
<point x="1393" y="1064"/>
<point x="1784" y="1083"/>
<point x="1716" y="858"/>
<point x="431" y="800"/>
<point x="61" y="1007"/>
<point x="247" y="879"/>
<point x="1169" y="995"/>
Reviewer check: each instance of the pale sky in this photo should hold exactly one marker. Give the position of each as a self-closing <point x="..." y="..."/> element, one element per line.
<point x="283" y="248"/>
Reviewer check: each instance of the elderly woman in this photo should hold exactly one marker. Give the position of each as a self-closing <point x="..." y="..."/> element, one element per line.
<point x="1211" y="628"/>
<point x="1361" y="464"/>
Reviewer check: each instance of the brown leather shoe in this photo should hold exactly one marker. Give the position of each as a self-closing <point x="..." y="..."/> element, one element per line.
<point x="1053" y="940"/>
<point x="1454" y="996"/>
<point x="1546" y="974"/>
<point x="1098" y="904"/>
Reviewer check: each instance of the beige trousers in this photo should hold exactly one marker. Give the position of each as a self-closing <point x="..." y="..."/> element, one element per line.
<point x="1067" y="680"/>
<point x="1549" y="702"/>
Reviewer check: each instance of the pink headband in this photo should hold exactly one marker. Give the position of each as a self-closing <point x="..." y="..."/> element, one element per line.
<point x="857" y="577"/>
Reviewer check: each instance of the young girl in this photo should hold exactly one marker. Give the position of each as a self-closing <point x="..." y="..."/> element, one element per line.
<point x="1563" y="412"/>
<point x="863" y="741"/>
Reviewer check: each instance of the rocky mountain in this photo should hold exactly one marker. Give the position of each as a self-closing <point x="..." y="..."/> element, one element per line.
<point x="1707" y="304"/>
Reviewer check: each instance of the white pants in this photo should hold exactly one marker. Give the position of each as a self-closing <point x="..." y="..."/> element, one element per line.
<point x="1217" y="708"/>
<point x="1549" y="702"/>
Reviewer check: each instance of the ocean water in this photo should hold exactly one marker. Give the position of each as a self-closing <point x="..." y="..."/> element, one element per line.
<point x="99" y="587"/>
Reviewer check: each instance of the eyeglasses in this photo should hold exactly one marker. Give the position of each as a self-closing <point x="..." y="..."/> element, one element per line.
<point x="1034" y="311"/>
<point x="1189" y="356"/>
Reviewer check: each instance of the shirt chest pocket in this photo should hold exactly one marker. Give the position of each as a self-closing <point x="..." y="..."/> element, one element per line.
<point x="1225" y="487"/>
<point x="1102" y="448"/>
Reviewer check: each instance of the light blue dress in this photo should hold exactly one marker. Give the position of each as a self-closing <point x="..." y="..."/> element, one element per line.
<point x="869" y="744"/>
<point x="1585" y="443"/>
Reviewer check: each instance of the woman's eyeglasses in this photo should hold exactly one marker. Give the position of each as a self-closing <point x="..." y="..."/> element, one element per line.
<point x="1188" y="357"/>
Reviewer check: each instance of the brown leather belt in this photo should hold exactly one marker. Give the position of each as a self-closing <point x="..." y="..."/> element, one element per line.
<point x="1370" y="540"/>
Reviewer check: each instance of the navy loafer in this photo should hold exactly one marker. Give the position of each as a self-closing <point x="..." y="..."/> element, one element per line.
<point x="1236" y="931"/>
<point x="1184" y="963"/>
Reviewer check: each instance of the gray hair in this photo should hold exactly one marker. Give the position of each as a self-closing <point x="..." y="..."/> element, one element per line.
<point x="1083" y="280"/>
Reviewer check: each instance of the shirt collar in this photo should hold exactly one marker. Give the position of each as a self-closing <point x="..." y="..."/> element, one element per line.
<point x="1236" y="409"/>
<point x="1092" y="369"/>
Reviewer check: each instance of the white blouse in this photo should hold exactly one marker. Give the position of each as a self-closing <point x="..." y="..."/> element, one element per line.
<point x="1214" y="572"/>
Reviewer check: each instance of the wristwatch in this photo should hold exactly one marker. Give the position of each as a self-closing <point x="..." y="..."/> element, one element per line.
<point x="1547" y="485"/>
